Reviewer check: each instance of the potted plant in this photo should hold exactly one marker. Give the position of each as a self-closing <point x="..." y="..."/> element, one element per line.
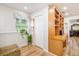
<point x="29" y="39"/>
<point x="27" y="36"/>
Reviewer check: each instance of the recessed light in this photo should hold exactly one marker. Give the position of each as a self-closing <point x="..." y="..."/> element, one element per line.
<point x="64" y="8"/>
<point x="51" y="10"/>
<point x="25" y="7"/>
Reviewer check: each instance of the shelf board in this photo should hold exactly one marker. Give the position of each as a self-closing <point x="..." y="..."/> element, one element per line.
<point x="56" y="11"/>
<point x="57" y="25"/>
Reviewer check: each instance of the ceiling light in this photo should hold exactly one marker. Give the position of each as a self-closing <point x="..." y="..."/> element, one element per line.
<point x="25" y="8"/>
<point x="51" y="10"/>
<point x="64" y="8"/>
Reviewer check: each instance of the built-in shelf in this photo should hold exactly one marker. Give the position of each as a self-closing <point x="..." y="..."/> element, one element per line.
<point x="56" y="32"/>
<point x="59" y="23"/>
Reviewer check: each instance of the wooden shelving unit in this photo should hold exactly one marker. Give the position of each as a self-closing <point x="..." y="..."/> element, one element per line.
<point x="55" y="31"/>
<point x="59" y="23"/>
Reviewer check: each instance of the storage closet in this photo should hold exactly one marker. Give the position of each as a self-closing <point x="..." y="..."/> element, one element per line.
<point x="56" y="37"/>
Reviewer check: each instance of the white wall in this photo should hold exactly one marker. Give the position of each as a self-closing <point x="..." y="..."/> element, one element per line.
<point x="7" y="19"/>
<point x="8" y="26"/>
<point x="12" y="38"/>
<point x="41" y="28"/>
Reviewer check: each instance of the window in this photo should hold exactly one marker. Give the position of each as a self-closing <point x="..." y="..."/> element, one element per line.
<point x="20" y="24"/>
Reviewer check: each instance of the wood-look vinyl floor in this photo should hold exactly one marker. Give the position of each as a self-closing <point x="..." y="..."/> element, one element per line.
<point x="73" y="47"/>
<point x="32" y="50"/>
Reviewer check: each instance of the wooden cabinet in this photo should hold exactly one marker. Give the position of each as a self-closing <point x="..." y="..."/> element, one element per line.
<point x="55" y="31"/>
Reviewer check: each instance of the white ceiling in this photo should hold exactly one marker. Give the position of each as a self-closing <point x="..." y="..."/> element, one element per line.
<point x="72" y="8"/>
<point x="32" y="7"/>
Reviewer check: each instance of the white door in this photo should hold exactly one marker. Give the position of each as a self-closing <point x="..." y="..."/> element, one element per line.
<point x="39" y="31"/>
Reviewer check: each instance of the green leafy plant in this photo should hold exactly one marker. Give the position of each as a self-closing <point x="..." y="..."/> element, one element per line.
<point x="26" y="35"/>
<point x="29" y="38"/>
<point x="22" y="31"/>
